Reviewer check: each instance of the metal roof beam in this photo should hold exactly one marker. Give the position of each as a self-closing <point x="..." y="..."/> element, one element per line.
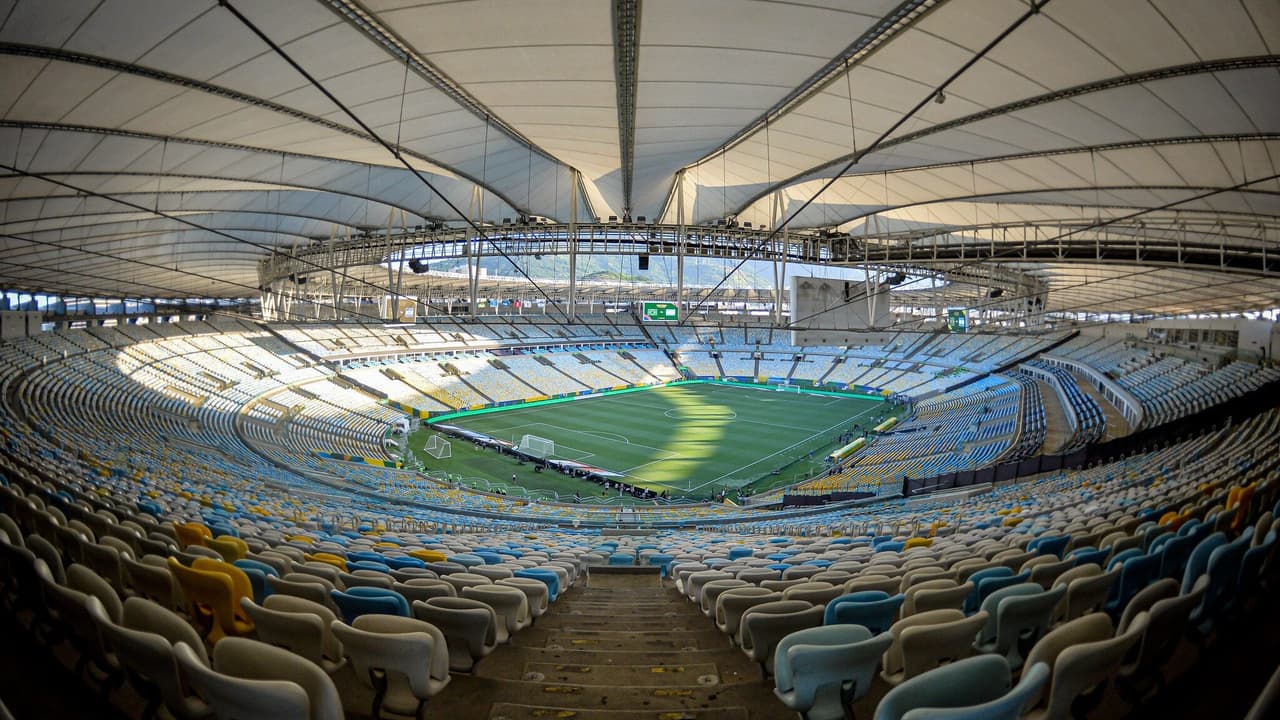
<point x="626" y="62"/>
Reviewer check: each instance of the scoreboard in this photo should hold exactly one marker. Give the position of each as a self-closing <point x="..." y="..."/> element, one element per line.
<point x="660" y="311"/>
<point x="957" y="320"/>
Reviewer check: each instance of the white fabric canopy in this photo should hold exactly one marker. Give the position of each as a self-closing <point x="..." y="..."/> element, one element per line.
<point x="979" y="119"/>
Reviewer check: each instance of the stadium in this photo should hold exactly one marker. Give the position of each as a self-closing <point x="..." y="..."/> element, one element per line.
<point x="639" y="360"/>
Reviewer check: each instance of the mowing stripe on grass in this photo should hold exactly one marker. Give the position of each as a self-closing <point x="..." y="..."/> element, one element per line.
<point x="683" y="437"/>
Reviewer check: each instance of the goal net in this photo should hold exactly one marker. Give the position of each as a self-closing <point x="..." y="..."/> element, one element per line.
<point x="438" y="448"/>
<point x="538" y="447"/>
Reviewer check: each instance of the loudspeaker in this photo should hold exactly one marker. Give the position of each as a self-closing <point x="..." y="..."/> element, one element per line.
<point x="419" y="266"/>
<point x="644" y="262"/>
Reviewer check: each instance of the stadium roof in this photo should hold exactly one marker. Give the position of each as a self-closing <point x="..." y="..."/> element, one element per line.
<point x="161" y="148"/>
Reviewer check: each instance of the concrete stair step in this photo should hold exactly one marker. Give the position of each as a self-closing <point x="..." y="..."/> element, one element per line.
<point x="508" y="660"/>
<point x="618" y="675"/>
<point x="510" y="711"/>
<point x="675" y="641"/>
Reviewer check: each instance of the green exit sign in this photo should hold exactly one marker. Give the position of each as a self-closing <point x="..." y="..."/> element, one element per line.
<point x="660" y="311"/>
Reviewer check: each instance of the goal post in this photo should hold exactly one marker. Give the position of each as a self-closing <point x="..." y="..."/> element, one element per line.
<point x="438" y="448"/>
<point x="538" y="447"/>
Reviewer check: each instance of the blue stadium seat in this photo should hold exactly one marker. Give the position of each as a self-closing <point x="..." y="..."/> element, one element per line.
<point x="872" y="609"/>
<point x="551" y="580"/>
<point x="358" y="601"/>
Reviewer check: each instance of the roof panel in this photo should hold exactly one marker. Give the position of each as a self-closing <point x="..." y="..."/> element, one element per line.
<point x="126" y="29"/>
<point x="45" y="23"/>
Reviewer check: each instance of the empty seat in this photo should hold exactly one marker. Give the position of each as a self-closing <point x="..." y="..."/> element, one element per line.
<point x="143" y="642"/>
<point x="937" y="594"/>
<point x="1084" y="667"/>
<point x="973" y="687"/>
<point x="762" y="626"/>
<point x="818" y="593"/>
<point x="818" y="672"/>
<point x="314" y="591"/>
<point x="1167" y="621"/>
<point x="894" y="666"/>
<point x="470" y="628"/>
<point x="536" y="592"/>
<point x="358" y="601"/>
<point x="1084" y="595"/>
<point x="732" y="603"/>
<point x="710" y="591"/>
<point x="509" y="604"/>
<point x="299" y="626"/>
<point x="255" y="681"/>
<point x="404" y="660"/>
<point x="872" y="609"/>
<point x="1017" y="617"/>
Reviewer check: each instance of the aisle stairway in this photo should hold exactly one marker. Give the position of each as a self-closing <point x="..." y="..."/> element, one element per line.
<point x="1058" y="430"/>
<point x="624" y="648"/>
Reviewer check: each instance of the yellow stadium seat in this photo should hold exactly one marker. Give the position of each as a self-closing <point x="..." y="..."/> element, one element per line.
<point x="192" y="533"/>
<point x="329" y="559"/>
<point x="230" y="548"/>
<point x="212" y="599"/>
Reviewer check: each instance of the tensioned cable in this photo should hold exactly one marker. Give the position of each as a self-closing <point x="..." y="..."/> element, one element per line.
<point x="1092" y="226"/>
<point x="115" y="258"/>
<point x="1035" y="8"/>
<point x="394" y="151"/>
<point x="179" y="219"/>
<point x="98" y="292"/>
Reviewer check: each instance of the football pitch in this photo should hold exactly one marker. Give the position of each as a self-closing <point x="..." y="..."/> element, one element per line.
<point x="689" y="439"/>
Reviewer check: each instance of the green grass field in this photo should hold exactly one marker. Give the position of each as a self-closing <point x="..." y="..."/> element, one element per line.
<point x="690" y="439"/>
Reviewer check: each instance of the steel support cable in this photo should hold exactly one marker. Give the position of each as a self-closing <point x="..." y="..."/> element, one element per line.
<point x="1012" y="251"/>
<point x="63" y="271"/>
<point x="179" y="219"/>
<point x="1035" y="8"/>
<point x="387" y="146"/>
<point x="114" y="258"/>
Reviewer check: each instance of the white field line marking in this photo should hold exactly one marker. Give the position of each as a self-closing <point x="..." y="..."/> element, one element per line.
<point x="766" y="457"/>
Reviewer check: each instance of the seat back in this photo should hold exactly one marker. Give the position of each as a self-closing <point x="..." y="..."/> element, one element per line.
<point x="409" y="655"/>
<point x="762" y="626"/>
<point x="930" y="596"/>
<point x="991" y="605"/>
<point x="925" y="647"/>
<point x="1022" y="620"/>
<point x="871" y="609"/>
<point x="1089" y="628"/>
<point x="818" y="593"/>
<point x="1088" y="594"/>
<point x="894" y="662"/>
<point x="1224" y="574"/>
<point x="358" y="601"/>
<point x="1083" y="666"/>
<point x="818" y="670"/>
<point x="1136" y="574"/>
<point x="509" y="604"/>
<point x="1046" y="574"/>
<point x="1198" y="561"/>
<point x="1144" y="599"/>
<point x="234" y="698"/>
<point x="250" y="659"/>
<point x="80" y="577"/>
<point x="470" y="627"/>
<point x="732" y="603"/>
<point x="971" y="681"/>
<point x="1006" y="707"/>
<point x="106" y="562"/>
<point x="148" y="616"/>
